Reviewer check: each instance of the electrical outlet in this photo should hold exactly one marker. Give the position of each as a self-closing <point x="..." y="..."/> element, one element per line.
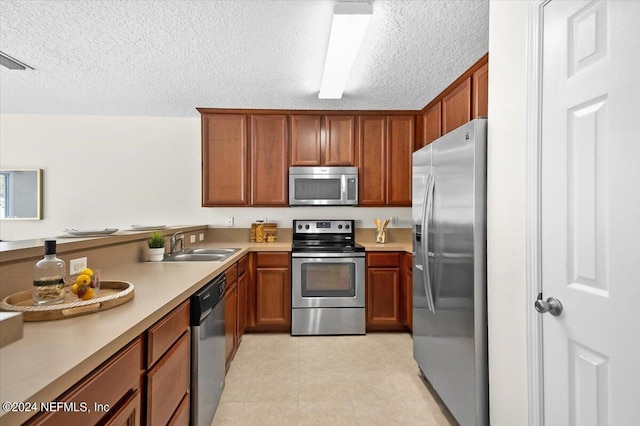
<point x="77" y="265"/>
<point x="230" y="221"/>
<point x="201" y="236"/>
<point x="192" y="239"/>
<point x="394" y="220"/>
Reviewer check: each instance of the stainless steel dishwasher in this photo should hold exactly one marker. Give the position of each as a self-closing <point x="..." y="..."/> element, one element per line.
<point x="207" y="350"/>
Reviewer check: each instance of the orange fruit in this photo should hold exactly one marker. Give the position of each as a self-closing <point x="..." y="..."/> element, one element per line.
<point x="83" y="279"/>
<point x="88" y="294"/>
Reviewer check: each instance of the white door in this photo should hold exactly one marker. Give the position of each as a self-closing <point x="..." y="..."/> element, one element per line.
<point x="590" y="211"/>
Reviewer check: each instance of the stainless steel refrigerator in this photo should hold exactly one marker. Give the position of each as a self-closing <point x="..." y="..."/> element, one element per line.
<point x="449" y="271"/>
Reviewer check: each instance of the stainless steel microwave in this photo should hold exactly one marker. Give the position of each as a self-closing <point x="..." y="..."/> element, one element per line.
<point x="323" y="186"/>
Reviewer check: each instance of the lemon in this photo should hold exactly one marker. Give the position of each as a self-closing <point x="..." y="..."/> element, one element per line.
<point x="74" y="288"/>
<point x="83" y="279"/>
<point x="86" y="271"/>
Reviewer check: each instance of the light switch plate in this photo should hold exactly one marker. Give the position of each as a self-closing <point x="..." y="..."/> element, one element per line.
<point x="77" y="265"/>
<point x="230" y="221"/>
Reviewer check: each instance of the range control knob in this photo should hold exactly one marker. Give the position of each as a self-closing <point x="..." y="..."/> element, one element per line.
<point x="299" y="226"/>
<point x="348" y="226"/>
<point x="306" y="226"/>
<point x="339" y="226"/>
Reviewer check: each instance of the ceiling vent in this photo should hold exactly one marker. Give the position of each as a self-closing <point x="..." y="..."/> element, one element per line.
<point x="13" y="64"/>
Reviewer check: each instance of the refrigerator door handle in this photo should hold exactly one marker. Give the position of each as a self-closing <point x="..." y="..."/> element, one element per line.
<point x="427" y="213"/>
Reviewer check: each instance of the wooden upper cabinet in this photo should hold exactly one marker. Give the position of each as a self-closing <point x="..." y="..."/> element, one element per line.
<point x="225" y="172"/>
<point x="306" y="140"/>
<point x="456" y="107"/>
<point x="480" y="92"/>
<point x="400" y="143"/>
<point x="269" y="160"/>
<point x="371" y="163"/>
<point x="433" y="123"/>
<point x="339" y="140"/>
<point x="328" y="140"/>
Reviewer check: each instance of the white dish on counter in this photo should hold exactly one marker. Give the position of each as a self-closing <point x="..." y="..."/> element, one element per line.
<point x="91" y="232"/>
<point x="147" y="227"/>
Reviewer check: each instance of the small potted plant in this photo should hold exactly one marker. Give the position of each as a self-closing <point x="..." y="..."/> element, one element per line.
<point x="156" y="247"/>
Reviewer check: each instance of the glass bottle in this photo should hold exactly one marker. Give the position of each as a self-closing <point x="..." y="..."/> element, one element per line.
<point x="48" y="277"/>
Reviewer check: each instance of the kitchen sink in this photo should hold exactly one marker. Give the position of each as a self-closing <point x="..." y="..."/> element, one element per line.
<point x="228" y="251"/>
<point x="200" y="255"/>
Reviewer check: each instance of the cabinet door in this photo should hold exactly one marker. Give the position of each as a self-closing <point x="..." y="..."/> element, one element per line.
<point x="383" y="298"/>
<point x="129" y="414"/>
<point x="480" y="88"/>
<point x="433" y="123"/>
<point x="168" y="382"/>
<point x="339" y="140"/>
<point x="242" y="304"/>
<point x="400" y="142"/>
<point x="273" y="299"/>
<point x="230" y="321"/>
<point x="372" y="182"/>
<point x="305" y="140"/>
<point x="456" y="107"/>
<point x="406" y="297"/>
<point x="225" y="173"/>
<point x="269" y="160"/>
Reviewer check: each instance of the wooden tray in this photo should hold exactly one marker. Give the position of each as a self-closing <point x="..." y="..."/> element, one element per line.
<point x="111" y="294"/>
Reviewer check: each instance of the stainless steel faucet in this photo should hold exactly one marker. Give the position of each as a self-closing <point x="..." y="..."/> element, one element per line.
<point x="175" y="238"/>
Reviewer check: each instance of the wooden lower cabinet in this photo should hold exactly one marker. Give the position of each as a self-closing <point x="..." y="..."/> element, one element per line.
<point x="383" y="306"/>
<point x="169" y="378"/>
<point x="182" y="416"/>
<point x="129" y="413"/>
<point x="406" y="295"/>
<point x="230" y="322"/>
<point x="111" y="384"/>
<point x="269" y="292"/>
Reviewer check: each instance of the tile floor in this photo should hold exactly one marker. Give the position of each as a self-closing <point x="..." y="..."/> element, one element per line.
<point x="277" y="379"/>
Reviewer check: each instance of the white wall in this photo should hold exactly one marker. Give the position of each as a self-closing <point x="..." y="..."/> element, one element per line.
<point x="107" y="171"/>
<point x="506" y="212"/>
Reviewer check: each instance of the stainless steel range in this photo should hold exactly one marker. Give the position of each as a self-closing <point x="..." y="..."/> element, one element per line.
<point x="327" y="278"/>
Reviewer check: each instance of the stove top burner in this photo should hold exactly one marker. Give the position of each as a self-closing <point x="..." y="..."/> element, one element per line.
<point x="329" y="236"/>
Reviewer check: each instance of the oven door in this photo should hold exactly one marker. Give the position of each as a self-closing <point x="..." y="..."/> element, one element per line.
<point x="327" y="280"/>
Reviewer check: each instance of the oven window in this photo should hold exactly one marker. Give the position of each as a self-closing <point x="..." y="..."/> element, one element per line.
<point x="318" y="189"/>
<point x="328" y="279"/>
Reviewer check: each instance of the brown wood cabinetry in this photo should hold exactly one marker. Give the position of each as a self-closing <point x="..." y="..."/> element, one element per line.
<point x="406" y="295"/>
<point x="480" y="92"/>
<point x="168" y="366"/>
<point x="328" y="140"/>
<point x="456" y="107"/>
<point x="230" y="321"/>
<point x="306" y="145"/>
<point x="269" y="160"/>
<point x="400" y="144"/>
<point x="225" y="160"/>
<point x="383" y="291"/>
<point x="272" y="297"/>
<point x="243" y="288"/>
<point x="113" y="384"/>
<point x="129" y="413"/>
<point x="385" y="145"/>
<point x="464" y="100"/>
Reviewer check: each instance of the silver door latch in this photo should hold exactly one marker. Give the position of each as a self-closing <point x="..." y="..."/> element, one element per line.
<point x="551" y="305"/>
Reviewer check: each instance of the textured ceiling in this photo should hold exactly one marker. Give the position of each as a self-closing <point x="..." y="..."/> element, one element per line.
<point x="165" y="58"/>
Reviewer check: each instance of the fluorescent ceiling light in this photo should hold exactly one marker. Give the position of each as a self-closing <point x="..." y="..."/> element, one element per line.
<point x="350" y="21"/>
<point x="13" y="64"/>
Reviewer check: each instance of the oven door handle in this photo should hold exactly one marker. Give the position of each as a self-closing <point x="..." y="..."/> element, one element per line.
<point x="312" y="255"/>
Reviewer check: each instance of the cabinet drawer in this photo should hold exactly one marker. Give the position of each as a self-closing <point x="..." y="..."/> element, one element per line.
<point x="182" y="415"/>
<point x="109" y="384"/>
<point x="271" y="259"/>
<point x="130" y="412"/>
<point x="383" y="259"/>
<point x="168" y="382"/>
<point x="231" y="274"/>
<point x="162" y="334"/>
<point x="242" y="265"/>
